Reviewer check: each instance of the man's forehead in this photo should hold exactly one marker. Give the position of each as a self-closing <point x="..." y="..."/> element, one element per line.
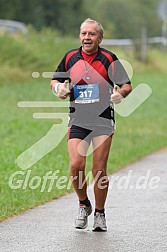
<point x="89" y="27"/>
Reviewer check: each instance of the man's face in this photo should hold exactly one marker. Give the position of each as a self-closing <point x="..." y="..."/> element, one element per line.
<point x="90" y="38"/>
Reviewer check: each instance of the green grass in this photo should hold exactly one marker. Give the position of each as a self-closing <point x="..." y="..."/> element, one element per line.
<point x="40" y="51"/>
<point x="139" y="134"/>
<point x="143" y="132"/>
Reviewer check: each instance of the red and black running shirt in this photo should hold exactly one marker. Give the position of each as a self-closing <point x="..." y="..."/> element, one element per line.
<point x="103" y="63"/>
<point x="102" y="68"/>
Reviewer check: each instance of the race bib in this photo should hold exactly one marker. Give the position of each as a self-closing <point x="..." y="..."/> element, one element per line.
<point x="86" y="93"/>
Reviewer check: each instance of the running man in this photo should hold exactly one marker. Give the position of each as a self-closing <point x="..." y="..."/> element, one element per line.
<point x="92" y="72"/>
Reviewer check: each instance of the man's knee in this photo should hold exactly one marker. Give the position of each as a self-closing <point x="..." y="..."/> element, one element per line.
<point x="98" y="171"/>
<point x="76" y="167"/>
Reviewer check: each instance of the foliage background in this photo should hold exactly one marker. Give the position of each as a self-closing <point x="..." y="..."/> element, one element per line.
<point x="121" y="19"/>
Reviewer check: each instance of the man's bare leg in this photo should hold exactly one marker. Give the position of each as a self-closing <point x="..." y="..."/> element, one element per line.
<point x="100" y="158"/>
<point x="77" y="166"/>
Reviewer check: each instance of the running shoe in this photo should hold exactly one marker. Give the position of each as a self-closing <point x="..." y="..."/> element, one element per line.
<point x="81" y="220"/>
<point x="99" y="223"/>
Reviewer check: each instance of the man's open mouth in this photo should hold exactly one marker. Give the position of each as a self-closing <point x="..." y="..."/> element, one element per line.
<point x="87" y="43"/>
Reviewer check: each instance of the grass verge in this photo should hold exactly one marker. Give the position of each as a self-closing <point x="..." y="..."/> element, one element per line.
<point x="139" y="134"/>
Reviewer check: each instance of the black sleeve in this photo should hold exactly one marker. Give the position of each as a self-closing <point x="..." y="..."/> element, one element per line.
<point x="119" y="74"/>
<point x="60" y="73"/>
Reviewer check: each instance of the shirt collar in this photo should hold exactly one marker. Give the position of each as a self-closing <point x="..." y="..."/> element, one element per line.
<point x="98" y="56"/>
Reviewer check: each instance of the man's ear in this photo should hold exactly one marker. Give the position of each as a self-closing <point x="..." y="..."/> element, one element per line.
<point x="100" y="39"/>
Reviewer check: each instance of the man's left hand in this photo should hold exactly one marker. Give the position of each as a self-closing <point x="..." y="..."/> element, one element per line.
<point x="116" y="97"/>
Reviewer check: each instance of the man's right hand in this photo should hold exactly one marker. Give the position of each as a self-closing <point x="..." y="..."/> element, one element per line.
<point x="62" y="90"/>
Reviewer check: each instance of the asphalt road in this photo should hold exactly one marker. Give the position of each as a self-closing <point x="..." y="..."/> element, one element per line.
<point x="136" y="211"/>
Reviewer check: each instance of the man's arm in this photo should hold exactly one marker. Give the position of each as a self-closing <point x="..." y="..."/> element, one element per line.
<point x="59" y="82"/>
<point x="60" y="88"/>
<point x="53" y="84"/>
<point x="119" y="94"/>
<point x="125" y="90"/>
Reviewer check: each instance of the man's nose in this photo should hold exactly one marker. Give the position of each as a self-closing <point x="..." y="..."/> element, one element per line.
<point x="87" y="35"/>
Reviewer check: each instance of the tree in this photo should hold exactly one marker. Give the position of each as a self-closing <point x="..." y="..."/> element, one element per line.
<point x="121" y="19"/>
<point x="125" y="19"/>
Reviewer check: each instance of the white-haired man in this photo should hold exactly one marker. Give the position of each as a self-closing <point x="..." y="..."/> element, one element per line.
<point x="91" y="72"/>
